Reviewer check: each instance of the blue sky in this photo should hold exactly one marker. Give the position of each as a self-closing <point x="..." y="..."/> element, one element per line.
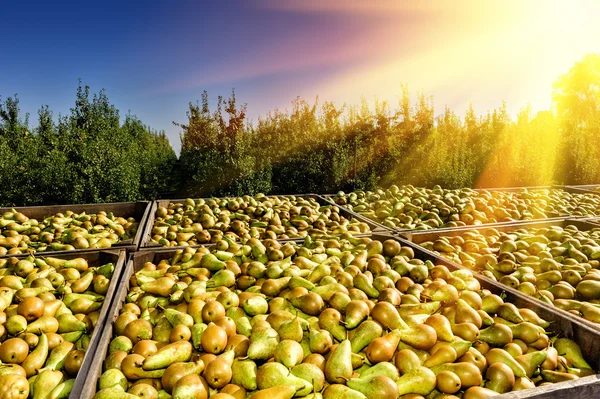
<point x="153" y="57"/>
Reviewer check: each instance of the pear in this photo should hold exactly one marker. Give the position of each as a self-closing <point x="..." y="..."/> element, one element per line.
<point x="466" y="314"/>
<point x="497" y="335"/>
<point x="442" y="327"/>
<point x="162" y="330"/>
<point x="356" y="312"/>
<point x="131" y="366"/>
<point x="405" y="310"/>
<point x="277" y="392"/>
<point x="291" y="330"/>
<point x="376" y="386"/>
<point x="310" y="303"/>
<point x="113" y="378"/>
<point x="179" y="351"/>
<point x="339" y="391"/>
<point x="330" y="320"/>
<point x="311" y="373"/>
<point x="274" y="374"/>
<point x="45" y="382"/>
<point x="263" y="344"/>
<point x="469" y="374"/>
<point x="143" y="391"/>
<point x="289" y="353"/>
<point x="384" y="368"/>
<point x="37" y="357"/>
<point x="244" y="374"/>
<point x="176" y="317"/>
<point x="361" y="281"/>
<point x="62" y="390"/>
<point x="382" y="349"/>
<point x="406" y="360"/>
<point x="445" y="354"/>
<point x="320" y="341"/>
<point x="190" y="386"/>
<point x="499" y="378"/>
<point x="255" y="305"/>
<point x="113" y="393"/>
<point x="45" y="324"/>
<point x="366" y="332"/>
<point x="509" y="312"/>
<point x="421" y="336"/>
<point x="120" y="344"/>
<point x="557" y="376"/>
<point x="478" y="393"/>
<point x="56" y="359"/>
<point x="500" y="355"/>
<point x="531" y="361"/>
<point x="571" y="351"/>
<point x="69" y="323"/>
<point x="420" y="381"/>
<point x="386" y="314"/>
<point x="177" y="370"/>
<point x="338" y="367"/>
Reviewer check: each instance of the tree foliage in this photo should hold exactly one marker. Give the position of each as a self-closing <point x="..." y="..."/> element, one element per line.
<point x="87" y="156"/>
<point x="94" y="155"/>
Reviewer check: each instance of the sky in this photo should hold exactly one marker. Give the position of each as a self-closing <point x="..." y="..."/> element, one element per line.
<point x="154" y="57"/>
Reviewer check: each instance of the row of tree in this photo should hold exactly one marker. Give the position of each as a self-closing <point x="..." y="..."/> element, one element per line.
<point x="87" y="156"/>
<point x="91" y="156"/>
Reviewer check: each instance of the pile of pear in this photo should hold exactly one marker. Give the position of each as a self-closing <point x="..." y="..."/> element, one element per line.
<point x="48" y="309"/>
<point x="560" y="266"/>
<point x="337" y="318"/>
<point x="62" y="232"/>
<point x="416" y="208"/>
<point x="239" y="219"/>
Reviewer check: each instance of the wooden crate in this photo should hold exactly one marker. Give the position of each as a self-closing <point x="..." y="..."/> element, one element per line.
<point x="147" y="244"/>
<point x="581" y="224"/>
<point x="98" y="258"/>
<point x="587" y="337"/>
<point x="138" y="210"/>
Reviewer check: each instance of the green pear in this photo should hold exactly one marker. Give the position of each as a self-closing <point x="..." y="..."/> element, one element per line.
<point x="45" y="382"/>
<point x="330" y="320"/>
<point x="500" y="355"/>
<point x="311" y="373"/>
<point x="62" y="390"/>
<point x="69" y="323"/>
<point x="244" y="374"/>
<point x="339" y="391"/>
<point x="338" y="367"/>
<point x="420" y="381"/>
<point x="273" y="374"/>
<point x="212" y="263"/>
<point x="571" y="351"/>
<point x="120" y="344"/>
<point x="383" y="368"/>
<point x="291" y="330"/>
<point x="531" y="361"/>
<point x="176" y="317"/>
<point x="320" y="341"/>
<point x="375" y="386"/>
<point x="197" y="331"/>
<point x="289" y="353"/>
<point x="277" y="392"/>
<point x="262" y="344"/>
<point x="242" y="322"/>
<point x="179" y="351"/>
<point x="222" y="278"/>
<point x="56" y="359"/>
<point x="366" y="332"/>
<point x="37" y="357"/>
<point x="113" y="378"/>
<point x="114" y="393"/>
<point x="255" y="305"/>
